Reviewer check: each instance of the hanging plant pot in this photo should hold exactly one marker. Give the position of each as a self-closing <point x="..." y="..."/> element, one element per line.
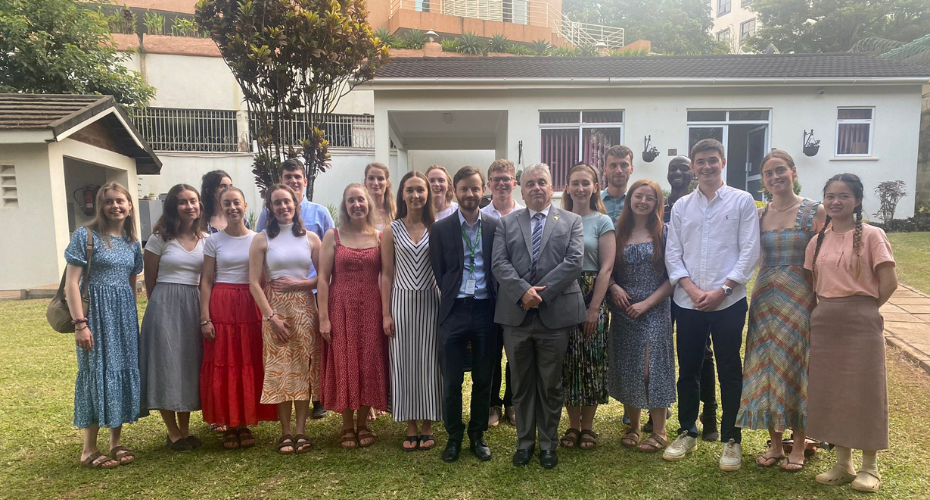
<point x="811" y="150"/>
<point x="650" y="155"/>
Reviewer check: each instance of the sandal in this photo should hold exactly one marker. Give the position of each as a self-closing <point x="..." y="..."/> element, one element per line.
<point x="366" y="433"/>
<point x="765" y="461"/>
<point x="348" y="439"/>
<point x="286" y="441"/>
<point x="413" y="440"/>
<point x="303" y="443"/>
<point x="246" y="439"/>
<point x="588" y="437"/>
<point x="181" y="444"/>
<point x="789" y="466"/>
<point x="231" y="440"/>
<point x="195" y="442"/>
<point x="217" y="428"/>
<point x="653" y="443"/>
<point x="424" y="438"/>
<point x="630" y="439"/>
<point x="570" y="438"/>
<point x="121" y="453"/>
<point x="93" y="461"/>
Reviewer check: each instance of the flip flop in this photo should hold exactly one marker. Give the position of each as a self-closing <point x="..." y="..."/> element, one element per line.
<point x="765" y="461"/>
<point x="789" y="466"/>
<point x="426" y="437"/>
<point x="414" y="440"/>
<point x="91" y="462"/>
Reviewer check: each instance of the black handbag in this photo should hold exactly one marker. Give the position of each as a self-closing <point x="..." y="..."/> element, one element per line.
<point x="57" y="313"/>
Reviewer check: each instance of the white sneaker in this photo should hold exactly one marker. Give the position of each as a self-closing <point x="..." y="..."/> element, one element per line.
<point x="732" y="457"/>
<point x="682" y="445"/>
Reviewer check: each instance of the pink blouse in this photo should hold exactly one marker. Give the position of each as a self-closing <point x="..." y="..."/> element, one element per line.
<point x="836" y="263"/>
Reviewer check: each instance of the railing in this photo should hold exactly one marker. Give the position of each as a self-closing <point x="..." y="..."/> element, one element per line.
<point x="525" y="12"/>
<point x="218" y="131"/>
<point x="168" y="129"/>
<point x="342" y="131"/>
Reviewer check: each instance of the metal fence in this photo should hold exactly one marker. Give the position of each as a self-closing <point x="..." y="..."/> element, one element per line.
<point x="217" y="131"/>
<point x="203" y="130"/>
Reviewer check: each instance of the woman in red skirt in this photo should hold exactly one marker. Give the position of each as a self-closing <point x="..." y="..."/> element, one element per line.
<point x="231" y="376"/>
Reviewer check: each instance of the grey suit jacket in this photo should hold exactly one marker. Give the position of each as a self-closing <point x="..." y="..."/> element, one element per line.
<point x="560" y="258"/>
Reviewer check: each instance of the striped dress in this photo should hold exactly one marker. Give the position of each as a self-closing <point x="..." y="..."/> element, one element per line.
<point x="416" y="389"/>
<point x="778" y="340"/>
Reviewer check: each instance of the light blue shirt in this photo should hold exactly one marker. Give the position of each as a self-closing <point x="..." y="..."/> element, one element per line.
<point x="315" y="217"/>
<point x="481" y="283"/>
<point x="613" y="205"/>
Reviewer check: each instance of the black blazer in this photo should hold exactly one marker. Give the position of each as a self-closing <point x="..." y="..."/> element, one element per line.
<point x="447" y="255"/>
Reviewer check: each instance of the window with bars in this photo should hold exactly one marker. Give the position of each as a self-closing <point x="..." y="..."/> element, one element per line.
<point x="747" y="29"/>
<point x="723" y="7"/>
<point x="854" y="131"/>
<point x="203" y="130"/>
<point x="569" y="137"/>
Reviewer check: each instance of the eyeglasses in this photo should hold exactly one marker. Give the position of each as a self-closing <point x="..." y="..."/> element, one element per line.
<point x="639" y="197"/>
<point x="501" y="180"/>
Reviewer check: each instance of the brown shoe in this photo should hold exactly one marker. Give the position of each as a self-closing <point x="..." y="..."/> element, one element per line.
<point x="511" y="415"/>
<point x="494" y="417"/>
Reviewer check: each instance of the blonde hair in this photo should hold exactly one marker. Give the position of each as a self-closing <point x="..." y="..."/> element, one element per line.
<point x="388" y="203"/>
<point x="596" y="203"/>
<point x="344" y="212"/>
<point x="450" y="192"/>
<point x="101" y="222"/>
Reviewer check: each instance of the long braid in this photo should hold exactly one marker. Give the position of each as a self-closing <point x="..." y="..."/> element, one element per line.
<point x="857" y="240"/>
<point x="823" y="230"/>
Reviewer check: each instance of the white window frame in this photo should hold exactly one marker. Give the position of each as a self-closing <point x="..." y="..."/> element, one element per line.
<point x="729" y="4"/>
<point x="748" y="33"/>
<point x="846" y="121"/>
<point x="724" y="35"/>
<point x="581" y="128"/>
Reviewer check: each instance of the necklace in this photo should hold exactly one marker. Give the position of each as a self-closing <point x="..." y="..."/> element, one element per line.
<point x="796" y="201"/>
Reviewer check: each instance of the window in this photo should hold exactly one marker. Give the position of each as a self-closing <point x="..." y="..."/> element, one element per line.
<point x="723" y="35"/>
<point x="569" y="137"/>
<point x="8" y="187"/>
<point x="747" y="29"/>
<point x="854" y="131"/>
<point x="723" y="7"/>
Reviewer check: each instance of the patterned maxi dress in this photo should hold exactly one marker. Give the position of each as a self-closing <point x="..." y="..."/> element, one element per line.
<point x="107" y="391"/>
<point x="355" y="362"/>
<point x="778" y="339"/>
<point x="631" y="339"/>
<point x="416" y="384"/>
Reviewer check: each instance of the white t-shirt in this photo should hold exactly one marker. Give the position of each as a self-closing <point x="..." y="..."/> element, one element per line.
<point x="176" y="264"/>
<point x="232" y="256"/>
<point x="447" y="212"/>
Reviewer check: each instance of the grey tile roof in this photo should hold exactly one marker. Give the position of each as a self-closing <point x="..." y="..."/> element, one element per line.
<point x="62" y="112"/>
<point x="791" y="66"/>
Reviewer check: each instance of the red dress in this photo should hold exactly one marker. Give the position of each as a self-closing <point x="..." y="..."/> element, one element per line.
<point x="355" y="362"/>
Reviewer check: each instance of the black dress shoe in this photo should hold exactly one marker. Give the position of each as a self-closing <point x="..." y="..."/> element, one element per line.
<point x="522" y="457"/>
<point x="548" y="459"/>
<point x="481" y="449"/>
<point x="452" y="451"/>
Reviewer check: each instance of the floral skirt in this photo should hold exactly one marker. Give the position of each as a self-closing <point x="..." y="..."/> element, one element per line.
<point x="584" y="372"/>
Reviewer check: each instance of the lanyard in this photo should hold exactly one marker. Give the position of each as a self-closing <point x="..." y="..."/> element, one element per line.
<point x="472" y="247"/>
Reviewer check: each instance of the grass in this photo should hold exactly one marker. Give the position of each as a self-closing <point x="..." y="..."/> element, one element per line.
<point x="39" y="448"/>
<point x="913" y="249"/>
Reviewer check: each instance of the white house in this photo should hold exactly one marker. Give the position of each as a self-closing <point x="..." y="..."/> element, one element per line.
<point x="52" y="149"/>
<point x="865" y="111"/>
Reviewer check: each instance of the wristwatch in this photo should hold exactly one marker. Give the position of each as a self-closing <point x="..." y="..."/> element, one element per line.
<point x="726" y="290"/>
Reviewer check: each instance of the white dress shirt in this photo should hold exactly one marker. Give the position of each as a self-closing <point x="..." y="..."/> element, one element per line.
<point x="710" y="242"/>
<point x="493" y="212"/>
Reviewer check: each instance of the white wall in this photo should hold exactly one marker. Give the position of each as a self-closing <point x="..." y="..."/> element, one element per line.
<point x="737" y="15"/>
<point x="662" y="113"/>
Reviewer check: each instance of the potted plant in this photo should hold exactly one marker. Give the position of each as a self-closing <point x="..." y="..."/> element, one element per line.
<point x="811" y="146"/>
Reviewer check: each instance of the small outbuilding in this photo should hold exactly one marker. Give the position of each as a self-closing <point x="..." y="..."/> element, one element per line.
<point x="55" y="150"/>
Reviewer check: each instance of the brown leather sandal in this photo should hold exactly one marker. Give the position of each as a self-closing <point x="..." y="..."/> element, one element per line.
<point x="302" y="443"/>
<point x="93" y="461"/>
<point x="348" y="439"/>
<point x="652" y="444"/>
<point x="630" y="439"/>
<point x="570" y="438"/>
<point x="366" y="433"/>
<point x="231" y="439"/>
<point x="121" y="453"/>
<point x="286" y="441"/>
<point x="588" y="437"/>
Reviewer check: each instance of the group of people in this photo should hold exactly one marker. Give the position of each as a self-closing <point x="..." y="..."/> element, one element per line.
<point x="386" y="311"/>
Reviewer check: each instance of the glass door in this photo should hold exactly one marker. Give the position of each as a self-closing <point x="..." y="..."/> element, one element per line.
<point x="755" y="151"/>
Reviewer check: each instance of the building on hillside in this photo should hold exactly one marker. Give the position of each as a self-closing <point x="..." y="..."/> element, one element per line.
<point x="865" y="111"/>
<point x="54" y="151"/>
<point x="733" y="22"/>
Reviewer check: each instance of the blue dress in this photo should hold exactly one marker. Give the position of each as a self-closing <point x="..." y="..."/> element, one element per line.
<point x="107" y="390"/>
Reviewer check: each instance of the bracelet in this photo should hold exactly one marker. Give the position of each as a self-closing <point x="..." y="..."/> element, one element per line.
<point x="268" y="318"/>
<point x="205" y="322"/>
<point x="78" y="320"/>
<point x="79" y="329"/>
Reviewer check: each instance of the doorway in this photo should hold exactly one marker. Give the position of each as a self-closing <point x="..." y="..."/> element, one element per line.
<point x="745" y="138"/>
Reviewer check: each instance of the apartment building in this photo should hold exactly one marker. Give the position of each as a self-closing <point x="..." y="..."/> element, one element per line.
<point x="733" y="22"/>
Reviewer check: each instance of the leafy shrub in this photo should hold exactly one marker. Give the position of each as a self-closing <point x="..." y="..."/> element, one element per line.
<point x="185" y="27"/>
<point x="566" y="51"/>
<point x="519" y="49"/>
<point x="387" y="38"/>
<point x="587" y="50"/>
<point x="470" y="43"/>
<point x="449" y="45"/>
<point x="889" y="193"/>
<point x="540" y="47"/>
<point x="498" y="43"/>
<point x="920" y="222"/>
<point x="122" y="21"/>
<point x="154" y="23"/>
<point x="629" y="53"/>
<point x="415" y="39"/>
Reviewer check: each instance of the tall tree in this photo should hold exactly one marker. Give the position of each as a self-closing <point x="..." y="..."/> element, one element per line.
<point x="64" y="47"/>
<point x="673" y="26"/>
<point x="836" y="25"/>
<point x="292" y="59"/>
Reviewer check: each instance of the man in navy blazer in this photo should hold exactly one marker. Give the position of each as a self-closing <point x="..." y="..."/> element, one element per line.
<point x="460" y="251"/>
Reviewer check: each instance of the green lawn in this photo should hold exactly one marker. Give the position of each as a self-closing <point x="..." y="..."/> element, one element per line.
<point x="39" y="448"/>
<point x="913" y="249"/>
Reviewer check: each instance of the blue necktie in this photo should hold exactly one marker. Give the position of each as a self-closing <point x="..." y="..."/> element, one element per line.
<point x="537" y="240"/>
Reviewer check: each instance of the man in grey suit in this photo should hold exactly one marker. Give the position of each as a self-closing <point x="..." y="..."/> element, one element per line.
<point x="536" y="258"/>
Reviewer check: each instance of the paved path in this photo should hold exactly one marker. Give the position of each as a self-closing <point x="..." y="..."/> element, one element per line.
<point x="907" y="324"/>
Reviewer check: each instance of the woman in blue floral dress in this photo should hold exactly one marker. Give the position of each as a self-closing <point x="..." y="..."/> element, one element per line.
<point x="107" y="389"/>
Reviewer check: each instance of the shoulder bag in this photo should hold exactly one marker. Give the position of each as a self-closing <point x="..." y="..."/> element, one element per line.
<point x="58" y="314"/>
